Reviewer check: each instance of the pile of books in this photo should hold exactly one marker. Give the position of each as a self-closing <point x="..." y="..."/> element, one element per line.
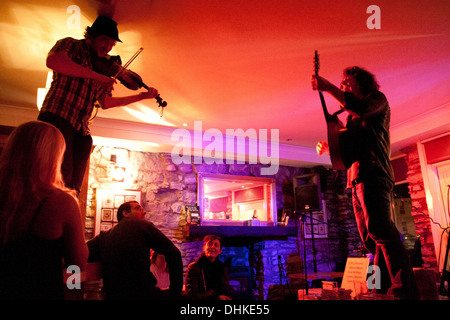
<point x="336" y="294"/>
<point x="376" y="296"/>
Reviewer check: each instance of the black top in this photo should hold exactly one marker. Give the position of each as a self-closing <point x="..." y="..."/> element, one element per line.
<point x="370" y="145"/>
<point x="31" y="268"/>
<point x="206" y="279"/>
<point x="124" y="252"/>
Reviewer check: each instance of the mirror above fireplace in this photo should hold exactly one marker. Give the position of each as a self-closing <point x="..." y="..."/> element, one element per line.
<point x="229" y="200"/>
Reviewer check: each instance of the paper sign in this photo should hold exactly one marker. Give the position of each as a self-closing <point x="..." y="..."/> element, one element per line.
<point x="355" y="274"/>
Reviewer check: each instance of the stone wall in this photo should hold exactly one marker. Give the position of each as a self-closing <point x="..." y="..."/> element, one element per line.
<point x="419" y="206"/>
<point x="167" y="187"/>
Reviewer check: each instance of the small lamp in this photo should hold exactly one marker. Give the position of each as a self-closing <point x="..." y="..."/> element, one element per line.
<point x="118" y="174"/>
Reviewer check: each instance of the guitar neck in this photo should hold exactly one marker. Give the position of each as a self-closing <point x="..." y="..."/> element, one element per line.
<point x="324" y="106"/>
<point x="322" y="99"/>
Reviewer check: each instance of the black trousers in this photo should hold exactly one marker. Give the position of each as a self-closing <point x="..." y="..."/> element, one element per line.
<point x="78" y="150"/>
<point x="372" y="207"/>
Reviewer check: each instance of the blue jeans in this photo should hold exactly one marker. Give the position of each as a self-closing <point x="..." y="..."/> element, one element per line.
<point x="372" y="208"/>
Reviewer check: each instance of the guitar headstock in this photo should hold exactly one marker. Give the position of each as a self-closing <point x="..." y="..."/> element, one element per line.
<point x="316" y="63"/>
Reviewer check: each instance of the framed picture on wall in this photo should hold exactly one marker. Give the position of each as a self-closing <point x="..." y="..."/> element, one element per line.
<point x="107" y="214"/>
<point x="108" y="202"/>
<point x="316" y="222"/>
<point x="118" y="200"/>
<point x="105" y="226"/>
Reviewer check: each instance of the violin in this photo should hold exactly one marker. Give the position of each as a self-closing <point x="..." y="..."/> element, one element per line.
<point x="111" y="66"/>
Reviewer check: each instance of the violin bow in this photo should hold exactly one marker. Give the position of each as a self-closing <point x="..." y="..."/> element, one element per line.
<point x="128" y="62"/>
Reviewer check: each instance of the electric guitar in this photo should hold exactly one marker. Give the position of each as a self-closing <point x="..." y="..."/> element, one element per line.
<point x="336" y="130"/>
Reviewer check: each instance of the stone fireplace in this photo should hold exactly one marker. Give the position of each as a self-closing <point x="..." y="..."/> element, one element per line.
<point x="166" y="188"/>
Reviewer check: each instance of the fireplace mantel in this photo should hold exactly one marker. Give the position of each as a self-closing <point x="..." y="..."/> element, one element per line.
<point x="245" y="234"/>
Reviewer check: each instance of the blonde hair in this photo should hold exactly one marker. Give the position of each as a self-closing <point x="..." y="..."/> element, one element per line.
<point x="30" y="169"/>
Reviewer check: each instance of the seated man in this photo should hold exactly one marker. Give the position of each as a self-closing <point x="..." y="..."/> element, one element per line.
<point x="124" y="252"/>
<point x="207" y="277"/>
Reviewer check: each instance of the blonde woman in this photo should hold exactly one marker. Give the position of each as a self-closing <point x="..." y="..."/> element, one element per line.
<point x="40" y="222"/>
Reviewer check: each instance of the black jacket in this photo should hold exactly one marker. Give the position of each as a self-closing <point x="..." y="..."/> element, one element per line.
<point x="124" y="252"/>
<point x="206" y="279"/>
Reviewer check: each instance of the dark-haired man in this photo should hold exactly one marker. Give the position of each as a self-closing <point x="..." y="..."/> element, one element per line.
<point x="75" y="88"/>
<point x="370" y="175"/>
<point x="207" y="277"/>
<point x="124" y="252"/>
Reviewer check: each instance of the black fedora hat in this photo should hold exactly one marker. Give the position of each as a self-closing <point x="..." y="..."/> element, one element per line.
<point x="105" y="26"/>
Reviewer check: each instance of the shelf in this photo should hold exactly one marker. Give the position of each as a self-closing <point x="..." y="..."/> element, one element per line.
<point x="241" y="234"/>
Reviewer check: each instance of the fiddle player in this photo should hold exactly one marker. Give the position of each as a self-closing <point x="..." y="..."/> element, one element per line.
<point x="370" y="175"/>
<point x="74" y="90"/>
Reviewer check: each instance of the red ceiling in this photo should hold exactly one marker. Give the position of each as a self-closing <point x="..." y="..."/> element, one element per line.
<point x="247" y="64"/>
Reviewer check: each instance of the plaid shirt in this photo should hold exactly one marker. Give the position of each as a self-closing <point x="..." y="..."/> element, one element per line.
<point x="73" y="98"/>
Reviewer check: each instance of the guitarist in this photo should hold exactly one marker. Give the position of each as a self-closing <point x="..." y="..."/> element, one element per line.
<point x="370" y="175"/>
